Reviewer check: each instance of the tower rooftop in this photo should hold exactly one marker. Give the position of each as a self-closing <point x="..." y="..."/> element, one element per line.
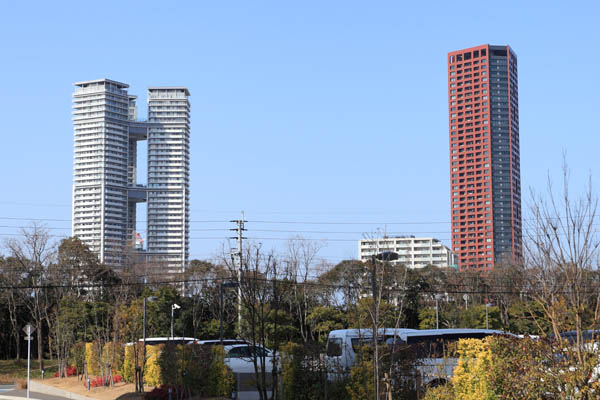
<point x="187" y="92"/>
<point x="120" y="85"/>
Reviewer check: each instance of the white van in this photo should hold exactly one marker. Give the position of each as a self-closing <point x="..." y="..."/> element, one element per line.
<point x="433" y="368"/>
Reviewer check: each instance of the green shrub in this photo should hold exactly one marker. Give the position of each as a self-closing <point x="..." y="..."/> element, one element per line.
<point x="195" y="359"/>
<point x="77" y="356"/>
<point x="291" y="371"/>
<point x="304" y="376"/>
<point x="442" y="392"/>
<point x="220" y="376"/>
<point x="361" y="385"/>
<point x="168" y="361"/>
<point x="526" y="368"/>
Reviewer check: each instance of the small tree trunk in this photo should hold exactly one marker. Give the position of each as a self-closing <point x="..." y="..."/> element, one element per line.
<point x="39" y="345"/>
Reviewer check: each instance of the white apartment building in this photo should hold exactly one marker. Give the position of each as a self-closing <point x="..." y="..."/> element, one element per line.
<point x="105" y="188"/>
<point x="413" y="252"/>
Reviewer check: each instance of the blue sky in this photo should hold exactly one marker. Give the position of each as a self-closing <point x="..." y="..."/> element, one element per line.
<point x="318" y="112"/>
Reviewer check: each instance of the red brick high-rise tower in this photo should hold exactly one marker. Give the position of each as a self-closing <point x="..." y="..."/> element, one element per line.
<point x="485" y="178"/>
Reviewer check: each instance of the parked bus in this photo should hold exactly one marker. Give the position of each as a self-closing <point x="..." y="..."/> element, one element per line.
<point x="433" y="364"/>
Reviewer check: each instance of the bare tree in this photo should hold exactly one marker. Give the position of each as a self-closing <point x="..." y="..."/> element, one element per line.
<point x="11" y="274"/>
<point x="33" y="253"/>
<point x="300" y="257"/>
<point x="204" y="293"/>
<point x="562" y="256"/>
<point x="260" y="295"/>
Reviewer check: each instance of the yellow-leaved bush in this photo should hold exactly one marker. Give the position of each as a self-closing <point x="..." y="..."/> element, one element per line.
<point x="442" y="392"/>
<point x="113" y="355"/>
<point x="153" y="371"/>
<point x="128" y="367"/>
<point x="205" y="370"/>
<point x="471" y="380"/>
<point x="132" y="352"/>
<point x="92" y="359"/>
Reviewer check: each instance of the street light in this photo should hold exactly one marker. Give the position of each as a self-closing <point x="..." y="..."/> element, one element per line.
<point x="437" y="318"/>
<point x="221" y="286"/>
<point x="487" y="322"/>
<point x="173" y="308"/>
<point x="385" y="256"/>
<point x="150" y="299"/>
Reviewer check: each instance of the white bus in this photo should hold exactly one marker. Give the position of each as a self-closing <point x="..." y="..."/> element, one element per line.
<point x="433" y="365"/>
<point x="151" y="341"/>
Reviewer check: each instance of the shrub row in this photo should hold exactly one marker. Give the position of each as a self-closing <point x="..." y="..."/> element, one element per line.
<point x="201" y="369"/>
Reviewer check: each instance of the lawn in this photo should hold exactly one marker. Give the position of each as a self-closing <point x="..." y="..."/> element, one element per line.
<point x="13" y="369"/>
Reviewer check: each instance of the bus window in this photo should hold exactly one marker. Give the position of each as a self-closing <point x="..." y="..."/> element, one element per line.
<point x="357" y="343"/>
<point x="334" y="347"/>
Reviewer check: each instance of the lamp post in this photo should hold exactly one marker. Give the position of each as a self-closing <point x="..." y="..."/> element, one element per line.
<point x="437" y="317"/>
<point x="173" y="308"/>
<point x="221" y="286"/>
<point x="150" y="299"/>
<point x="385" y="256"/>
<point x="487" y="322"/>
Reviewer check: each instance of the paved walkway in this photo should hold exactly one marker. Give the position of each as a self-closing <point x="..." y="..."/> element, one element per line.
<point x="19" y="394"/>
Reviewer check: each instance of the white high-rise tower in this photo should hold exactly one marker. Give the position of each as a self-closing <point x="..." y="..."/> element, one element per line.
<point x="105" y="191"/>
<point x="168" y="174"/>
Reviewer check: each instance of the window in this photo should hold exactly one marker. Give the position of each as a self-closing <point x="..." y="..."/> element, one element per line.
<point x="334" y="347"/>
<point x="240" y="352"/>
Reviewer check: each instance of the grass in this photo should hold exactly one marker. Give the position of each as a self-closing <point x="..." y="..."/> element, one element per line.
<point x="10" y="370"/>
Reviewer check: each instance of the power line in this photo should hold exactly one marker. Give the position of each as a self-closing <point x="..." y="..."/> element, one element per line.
<point x="287" y="222"/>
<point x="490" y="291"/>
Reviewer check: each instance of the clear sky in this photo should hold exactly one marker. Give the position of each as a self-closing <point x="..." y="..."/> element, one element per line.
<point x="313" y="111"/>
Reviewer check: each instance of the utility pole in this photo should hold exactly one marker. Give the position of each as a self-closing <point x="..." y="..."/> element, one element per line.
<point x="238" y="254"/>
<point x="375" y="330"/>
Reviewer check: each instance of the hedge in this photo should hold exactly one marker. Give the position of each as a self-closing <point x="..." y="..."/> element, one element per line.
<point x="92" y="359"/>
<point x="113" y="355"/>
<point x="470" y="379"/>
<point x="153" y="373"/>
<point x="128" y="367"/>
<point x="220" y="376"/>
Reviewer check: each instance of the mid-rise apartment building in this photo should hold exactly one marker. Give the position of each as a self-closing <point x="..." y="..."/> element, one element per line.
<point x="413" y="252"/>
<point x="485" y="178"/>
<point x="105" y="188"/>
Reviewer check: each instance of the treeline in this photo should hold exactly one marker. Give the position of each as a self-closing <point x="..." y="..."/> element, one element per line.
<point x="273" y="299"/>
<point x="70" y="297"/>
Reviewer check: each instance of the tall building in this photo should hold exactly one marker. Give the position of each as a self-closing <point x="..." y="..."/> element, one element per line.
<point x="105" y="188"/>
<point x="484" y="156"/>
<point x="413" y="252"/>
<point x="168" y="173"/>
